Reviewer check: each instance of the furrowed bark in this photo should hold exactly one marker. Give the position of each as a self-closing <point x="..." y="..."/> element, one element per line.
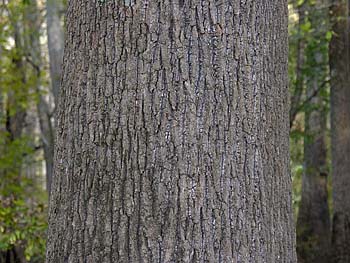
<point x="173" y="134"/>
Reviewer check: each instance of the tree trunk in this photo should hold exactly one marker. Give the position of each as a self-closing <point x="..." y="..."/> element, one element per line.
<point x="55" y="44"/>
<point x="55" y="47"/>
<point x="299" y="85"/>
<point x="340" y="115"/>
<point x="43" y="109"/>
<point x="47" y="139"/>
<point x="313" y="227"/>
<point x="173" y="134"/>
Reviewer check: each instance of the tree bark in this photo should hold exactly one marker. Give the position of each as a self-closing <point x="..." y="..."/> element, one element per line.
<point x="340" y="123"/>
<point x="173" y="134"/>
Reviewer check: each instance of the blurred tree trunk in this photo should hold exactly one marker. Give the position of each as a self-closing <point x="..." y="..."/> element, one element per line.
<point x="32" y="36"/>
<point x="11" y="256"/>
<point x="15" y="121"/>
<point x="2" y="99"/>
<point x="173" y="134"/>
<point x="340" y="123"/>
<point x="299" y="85"/>
<point x="313" y="227"/>
<point x="55" y="43"/>
<point x="47" y="138"/>
<point x="55" y="47"/>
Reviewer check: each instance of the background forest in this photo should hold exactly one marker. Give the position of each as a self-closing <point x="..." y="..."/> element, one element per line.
<point x="31" y="51"/>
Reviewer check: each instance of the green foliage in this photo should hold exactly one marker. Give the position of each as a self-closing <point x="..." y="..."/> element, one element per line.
<point x="24" y="225"/>
<point x="297" y="168"/>
<point x="309" y="37"/>
<point x="23" y="201"/>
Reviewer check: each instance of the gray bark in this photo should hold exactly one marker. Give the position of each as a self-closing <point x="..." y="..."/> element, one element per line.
<point x="340" y="123"/>
<point x="173" y="134"/>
